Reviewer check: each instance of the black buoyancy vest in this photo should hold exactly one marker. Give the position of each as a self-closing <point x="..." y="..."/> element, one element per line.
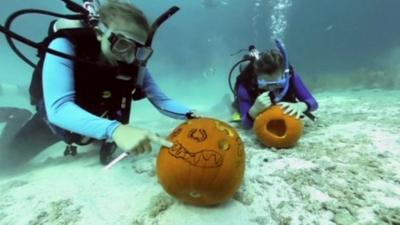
<point x="100" y="89"/>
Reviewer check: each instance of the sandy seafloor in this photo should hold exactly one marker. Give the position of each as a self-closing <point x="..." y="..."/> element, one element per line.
<point x="344" y="170"/>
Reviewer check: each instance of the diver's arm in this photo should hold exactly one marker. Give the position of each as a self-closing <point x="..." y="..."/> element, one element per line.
<point x="59" y="96"/>
<point x="164" y="104"/>
<point x="245" y="103"/>
<point x="303" y="94"/>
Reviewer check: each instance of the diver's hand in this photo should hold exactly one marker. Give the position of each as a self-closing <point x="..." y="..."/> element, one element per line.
<point x="193" y="115"/>
<point x="293" y="109"/>
<point x="136" y="140"/>
<point x="262" y="102"/>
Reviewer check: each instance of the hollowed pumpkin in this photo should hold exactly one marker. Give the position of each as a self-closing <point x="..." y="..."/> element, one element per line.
<point x="206" y="164"/>
<point x="276" y="129"/>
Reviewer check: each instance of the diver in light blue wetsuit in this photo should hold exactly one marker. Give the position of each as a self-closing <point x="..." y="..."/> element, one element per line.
<point x="91" y="96"/>
<point x="64" y="112"/>
<point x="267" y="80"/>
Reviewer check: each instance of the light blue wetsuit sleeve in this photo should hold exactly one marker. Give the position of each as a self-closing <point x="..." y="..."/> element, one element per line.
<point x="59" y="96"/>
<point x="164" y="104"/>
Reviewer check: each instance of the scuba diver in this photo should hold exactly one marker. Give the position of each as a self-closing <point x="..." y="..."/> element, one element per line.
<point x="91" y="67"/>
<point x="265" y="79"/>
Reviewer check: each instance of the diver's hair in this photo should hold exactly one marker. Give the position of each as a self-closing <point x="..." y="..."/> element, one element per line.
<point x="269" y="62"/>
<point x="115" y="9"/>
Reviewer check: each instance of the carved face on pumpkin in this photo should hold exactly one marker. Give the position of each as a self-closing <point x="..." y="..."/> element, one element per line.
<point x="277" y="129"/>
<point x="206" y="164"/>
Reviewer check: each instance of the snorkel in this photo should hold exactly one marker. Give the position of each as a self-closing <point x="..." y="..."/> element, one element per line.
<point x="143" y="50"/>
<point x="143" y="53"/>
<point x="286" y="75"/>
<point x="278" y="97"/>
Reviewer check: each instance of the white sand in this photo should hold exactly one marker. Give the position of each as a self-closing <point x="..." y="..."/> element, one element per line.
<point x="344" y="170"/>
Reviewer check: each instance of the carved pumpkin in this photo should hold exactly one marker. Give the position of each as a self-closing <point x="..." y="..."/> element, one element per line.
<point x="276" y="129"/>
<point x="206" y="164"/>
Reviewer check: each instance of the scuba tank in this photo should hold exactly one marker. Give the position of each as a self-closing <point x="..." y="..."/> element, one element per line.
<point x="252" y="55"/>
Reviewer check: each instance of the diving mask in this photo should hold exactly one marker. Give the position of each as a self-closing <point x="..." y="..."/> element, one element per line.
<point x="271" y="85"/>
<point x="120" y="44"/>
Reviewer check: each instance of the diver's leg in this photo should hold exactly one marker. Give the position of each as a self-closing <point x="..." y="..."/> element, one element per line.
<point x="14" y="118"/>
<point x="234" y="110"/>
<point x="34" y="137"/>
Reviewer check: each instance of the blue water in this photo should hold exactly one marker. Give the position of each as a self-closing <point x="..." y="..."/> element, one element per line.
<point x="321" y="36"/>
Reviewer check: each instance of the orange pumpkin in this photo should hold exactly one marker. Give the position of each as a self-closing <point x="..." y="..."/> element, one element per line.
<point x="276" y="129"/>
<point x="206" y="164"/>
